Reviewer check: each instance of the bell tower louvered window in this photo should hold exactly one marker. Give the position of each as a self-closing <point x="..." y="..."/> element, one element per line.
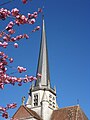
<point x="35" y="99"/>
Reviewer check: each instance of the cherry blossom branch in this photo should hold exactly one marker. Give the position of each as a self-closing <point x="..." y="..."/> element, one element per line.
<point x="3" y="110"/>
<point x="6" y="36"/>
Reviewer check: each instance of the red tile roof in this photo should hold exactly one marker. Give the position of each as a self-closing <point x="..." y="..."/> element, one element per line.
<point x="69" y="113"/>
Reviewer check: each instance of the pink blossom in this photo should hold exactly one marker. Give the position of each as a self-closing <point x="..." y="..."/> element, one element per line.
<point x="13" y="39"/>
<point x="21" y="69"/>
<point x="37" y="28"/>
<point x="30" y="78"/>
<point x="5" y="38"/>
<point x="11" y="60"/>
<point x="19" y="37"/>
<point x="19" y="80"/>
<point x="10" y="25"/>
<point x="32" y="15"/>
<point x="18" y="16"/>
<point x="1" y="72"/>
<point x="11" y="31"/>
<point x="1" y="85"/>
<point x="2" y="53"/>
<point x="35" y="14"/>
<point x="5" y="44"/>
<point x="4" y="13"/>
<point x="15" y="12"/>
<point x="25" y="80"/>
<point x="39" y="10"/>
<point x="24" y="1"/>
<point x="26" y="36"/>
<point x="29" y="15"/>
<point x="23" y="19"/>
<point x="2" y="109"/>
<point x="1" y="63"/>
<point x="5" y="115"/>
<point x="32" y="21"/>
<point x="34" y="30"/>
<point x="13" y="105"/>
<point x="34" y="78"/>
<point x="5" y="56"/>
<point x="1" y="44"/>
<point x="15" y="45"/>
<point x="17" y="22"/>
<point x="14" y="79"/>
<point x="6" y="81"/>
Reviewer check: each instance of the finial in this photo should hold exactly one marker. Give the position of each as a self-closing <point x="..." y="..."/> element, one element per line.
<point x="23" y="100"/>
<point x="43" y="9"/>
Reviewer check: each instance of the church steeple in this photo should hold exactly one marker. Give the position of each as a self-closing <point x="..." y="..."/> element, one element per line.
<point x="43" y="67"/>
<point x="42" y="97"/>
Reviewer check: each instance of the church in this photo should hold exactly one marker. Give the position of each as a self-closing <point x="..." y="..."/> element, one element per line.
<point x="42" y="103"/>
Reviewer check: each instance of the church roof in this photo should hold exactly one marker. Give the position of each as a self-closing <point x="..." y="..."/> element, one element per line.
<point x="43" y="67"/>
<point x="69" y="113"/>
<point x="25" y="113"/>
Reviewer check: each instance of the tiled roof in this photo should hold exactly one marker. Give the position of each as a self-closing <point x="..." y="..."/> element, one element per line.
<point x="69" y="113"/>
<point x="25" y="113"/>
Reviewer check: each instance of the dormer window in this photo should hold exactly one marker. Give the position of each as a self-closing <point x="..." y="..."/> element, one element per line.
<point x="35" y="99"/>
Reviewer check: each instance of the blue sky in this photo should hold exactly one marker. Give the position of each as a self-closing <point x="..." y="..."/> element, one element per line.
<point x="68" y="38"/>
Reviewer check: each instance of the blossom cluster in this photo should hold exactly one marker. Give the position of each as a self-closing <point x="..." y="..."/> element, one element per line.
<point x="5" y="78"/>
<point x="3" y="110"/>
<point x="19" y="19"/>
<point x="6" y="38"/>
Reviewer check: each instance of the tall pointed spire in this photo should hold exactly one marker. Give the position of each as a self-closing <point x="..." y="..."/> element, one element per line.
<point x="43" y="67"/>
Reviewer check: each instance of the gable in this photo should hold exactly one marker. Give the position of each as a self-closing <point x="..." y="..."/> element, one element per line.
<point x="26" y="113"/>
<point x="22" y="113"/>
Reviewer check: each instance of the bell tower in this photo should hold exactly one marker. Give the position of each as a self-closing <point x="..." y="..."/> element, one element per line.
<point x="42" y="97"/>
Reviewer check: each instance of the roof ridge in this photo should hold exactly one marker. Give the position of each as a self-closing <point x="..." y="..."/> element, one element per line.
<point x="68" y="107"/>
<point x="82" y="112"/>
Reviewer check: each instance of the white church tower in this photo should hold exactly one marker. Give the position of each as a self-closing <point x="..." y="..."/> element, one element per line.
<point x="42" y="97"/>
